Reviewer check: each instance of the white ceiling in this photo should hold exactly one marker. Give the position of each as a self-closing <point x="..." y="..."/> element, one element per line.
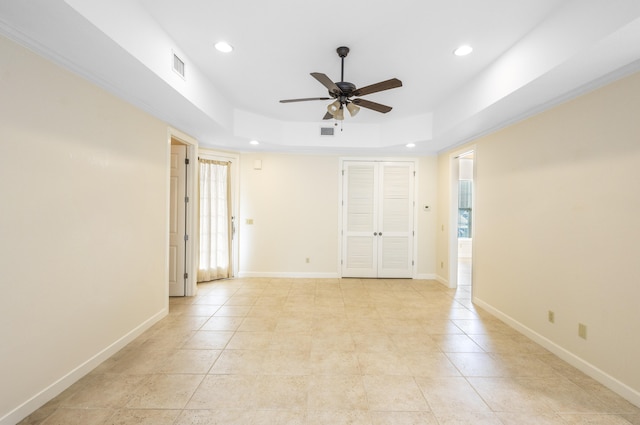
<point x="528" y="54"/>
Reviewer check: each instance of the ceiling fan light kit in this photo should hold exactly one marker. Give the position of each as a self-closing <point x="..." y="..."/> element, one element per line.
<point x="344" y="92"/>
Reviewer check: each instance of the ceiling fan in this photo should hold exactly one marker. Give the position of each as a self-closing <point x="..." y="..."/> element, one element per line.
<point x="343" y="93"/>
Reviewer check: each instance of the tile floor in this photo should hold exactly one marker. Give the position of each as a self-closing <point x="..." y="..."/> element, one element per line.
<point x="350" y="351"/>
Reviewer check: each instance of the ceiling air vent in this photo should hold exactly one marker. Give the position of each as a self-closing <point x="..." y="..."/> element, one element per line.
<point x="326" y="131"/>
<point x="178" y="65"/>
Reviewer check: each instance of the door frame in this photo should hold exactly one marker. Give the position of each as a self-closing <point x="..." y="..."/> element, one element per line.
<point x="191" y="263"/>
<point x="339" y="211"/>
<point x="235" y="199"/>
<point x="454" y="176"/>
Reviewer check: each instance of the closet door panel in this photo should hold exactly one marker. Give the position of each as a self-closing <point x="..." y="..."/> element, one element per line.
<point x="360" y="217"/>
<point x="395" y="256"/>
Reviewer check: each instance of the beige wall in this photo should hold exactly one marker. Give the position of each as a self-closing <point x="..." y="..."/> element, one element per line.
<point x="294" y="204"/>
<point x="83" y="183"/>
<point x="556" y="229"/>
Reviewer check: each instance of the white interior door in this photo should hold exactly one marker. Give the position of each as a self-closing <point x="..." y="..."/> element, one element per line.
<point x="377" y="217"/>
<point x="177" y="221"/>
<point x="360" y="219"/>
<point x="395" y="227"/>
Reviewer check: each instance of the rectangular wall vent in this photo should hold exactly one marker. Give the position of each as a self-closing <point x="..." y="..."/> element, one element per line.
<point x="326" y="131"/>
<point x="178" y="65"/>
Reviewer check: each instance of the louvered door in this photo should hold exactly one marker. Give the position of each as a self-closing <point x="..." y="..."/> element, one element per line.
<point x="377" y="219"/>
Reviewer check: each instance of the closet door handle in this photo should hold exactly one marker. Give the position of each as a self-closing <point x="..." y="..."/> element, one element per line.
<point x="375" y="233"/>
<point x="380" y="234"/>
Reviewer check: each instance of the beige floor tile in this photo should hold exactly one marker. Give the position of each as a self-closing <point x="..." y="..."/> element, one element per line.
<point x="463" y="417"/>
<point x="332" y="341"/>
<point x="593" y="419"/>
<point x="238" y="362"/>
<point x="394" y="393"/>
<point x="430" y="364"/>
<point x="140" y="362"/>
<point x="339" y="417"/>
<point x="454" y="343"/>
<point x="224" y="392"/>
<point x="165" y="392"/>
<point x="331" y="393"/>
<point x="194" y="309"/>
<point x="291" y="341"/>
<point x="529" y="418"/>
<point x="65" y="416"/>
<point x="478" y="364"/>
<point x="334" y="363"/>
<point x="222" y="323"/>
<point x="143" y="417"/>
<point x="280" y="362"/>
<point x="563" y="395"/>
<point x="450" y="395"/>
<point x="241" y="300"/>
<point x="294" y="324"/>
<point x="250" y="341"/>
<point x="108" y="391"/>
<point x="258" y="324"/>
<point x="613" y="403"/>
<point x="233" y="311"/>
<point x="189" y="361"/>
<point x="510" y="395"/>
<point x="280" y="417"/>
<point x="383" y="363"/>
<point x="281" y="392"/>
<point x="373" y="342"/>
<point x="413" y="342"/>
<point x="216" y="417"/>
<point x="403" y="418"/>
<point x="208" y="340"/>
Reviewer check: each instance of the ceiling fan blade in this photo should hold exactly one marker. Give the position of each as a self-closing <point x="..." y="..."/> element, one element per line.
<point x="372" y="105"/>
<point x="304" y="99"/>
<point x="374" y="88"/>
<point x="327" y="116"/>
<point x="326" y="81"/>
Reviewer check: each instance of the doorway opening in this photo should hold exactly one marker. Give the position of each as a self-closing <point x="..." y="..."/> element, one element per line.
<point x="461" y="220"/>
<point x="181" y="259"/>
<point x="465" y="219"/>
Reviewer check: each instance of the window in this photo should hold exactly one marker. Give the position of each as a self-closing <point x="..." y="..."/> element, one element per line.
<point x="465" y="188"/>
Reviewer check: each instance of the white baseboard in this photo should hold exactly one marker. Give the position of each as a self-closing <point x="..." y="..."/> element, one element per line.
<point x="290" y="275"/>
<point x="596" y="373"/>
<point x="442" y="280"/>
<point x="38" y="400"/>
<point x="426" y="276"/>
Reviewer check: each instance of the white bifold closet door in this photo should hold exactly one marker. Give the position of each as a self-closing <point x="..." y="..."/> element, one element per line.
<point x="377" y="219"/>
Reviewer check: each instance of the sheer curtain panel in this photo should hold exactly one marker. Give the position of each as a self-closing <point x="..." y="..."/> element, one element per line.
<point x="215" y="220"/>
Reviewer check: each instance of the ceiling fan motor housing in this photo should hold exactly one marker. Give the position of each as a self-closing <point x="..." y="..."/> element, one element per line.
<point x="346" y="88"/>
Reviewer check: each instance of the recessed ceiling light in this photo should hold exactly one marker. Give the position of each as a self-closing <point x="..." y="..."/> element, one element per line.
<point x="254" y="142"/>
<point x="223" y="46"/>
<point x="463" y="50"/>
<point x="411" y="145"/>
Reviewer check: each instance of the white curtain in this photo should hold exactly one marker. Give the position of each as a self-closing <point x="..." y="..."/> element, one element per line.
<point x="215" y="222"/>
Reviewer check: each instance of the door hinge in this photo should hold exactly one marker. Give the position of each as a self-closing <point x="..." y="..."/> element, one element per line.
<point x="186" y="238"/>
<point x="343" y="172"/>
<point x="186" y="161"/>
<point x="413" y="232"/>
<point x="414" y="174"/>
<point x="186" y="199"/>
<point x="186" y="275"/>
<point x="412" y="263"/>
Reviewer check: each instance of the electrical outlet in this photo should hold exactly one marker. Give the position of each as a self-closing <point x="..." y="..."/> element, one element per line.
<point x="551" y="316"/>
<point x="582" y="330"/>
